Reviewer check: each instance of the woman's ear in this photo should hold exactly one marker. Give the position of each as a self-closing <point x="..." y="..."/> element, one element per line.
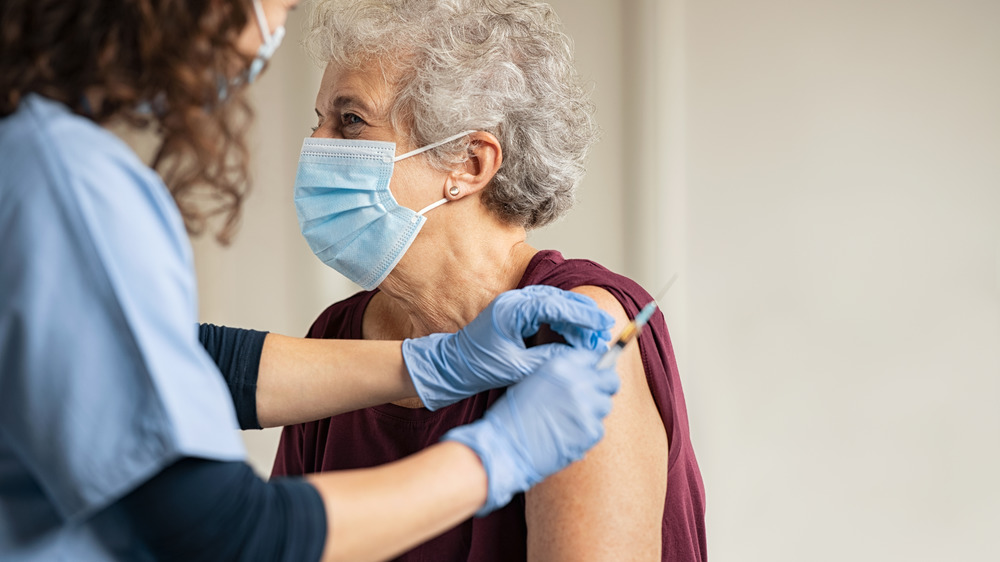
<point x="472" y="176"/>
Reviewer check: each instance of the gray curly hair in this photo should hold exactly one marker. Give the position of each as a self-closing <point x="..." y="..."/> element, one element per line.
<point x="502" y="66"/>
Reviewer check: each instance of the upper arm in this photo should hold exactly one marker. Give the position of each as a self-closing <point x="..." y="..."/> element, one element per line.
<point x="237" y="353"/>
<point x="609" y="505"/>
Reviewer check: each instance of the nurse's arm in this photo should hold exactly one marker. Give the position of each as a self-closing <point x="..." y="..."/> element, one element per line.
<point x="377" y="513"/>
<point x="302" y="380"/>
<point x="277" y="380"/>
<point x="198" y="509"/>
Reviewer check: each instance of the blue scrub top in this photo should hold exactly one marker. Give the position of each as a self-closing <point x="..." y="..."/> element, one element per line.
<point x="102" y="379"/>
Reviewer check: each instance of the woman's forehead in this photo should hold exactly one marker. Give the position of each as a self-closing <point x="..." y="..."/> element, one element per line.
<point x="366" y="85"/>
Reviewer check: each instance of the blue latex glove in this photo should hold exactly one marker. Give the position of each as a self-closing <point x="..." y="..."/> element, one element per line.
<point x="541" y="424"/>
<point x="490" y="351"/>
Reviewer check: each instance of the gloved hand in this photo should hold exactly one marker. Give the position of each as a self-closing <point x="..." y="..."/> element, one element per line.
<point x="541" y="424"/>
<point x="490" y="351"/>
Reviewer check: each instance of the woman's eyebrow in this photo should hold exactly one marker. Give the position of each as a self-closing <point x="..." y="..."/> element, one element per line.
<point x="351" y="101"/>
<point x="343" y="101"/>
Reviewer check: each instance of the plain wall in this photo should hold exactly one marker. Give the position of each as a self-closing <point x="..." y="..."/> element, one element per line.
<point x="843" y="190"/>
<point x="825" y="178"/>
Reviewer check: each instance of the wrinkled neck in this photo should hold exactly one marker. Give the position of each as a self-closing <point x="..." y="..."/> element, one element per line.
<point x="442" y="289"/>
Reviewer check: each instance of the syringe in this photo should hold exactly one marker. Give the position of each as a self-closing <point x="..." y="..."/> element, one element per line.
<point x="631" y="330"/>
<point x="629" y="333"/>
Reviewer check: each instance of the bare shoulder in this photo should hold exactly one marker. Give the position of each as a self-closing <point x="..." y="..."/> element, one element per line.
<point x="608" y="506"/>
<point x="607" y="302"/>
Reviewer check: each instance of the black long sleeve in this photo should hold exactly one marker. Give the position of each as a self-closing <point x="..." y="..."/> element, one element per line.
<point x="237" y="353"/>
<point x="202" y="510"/>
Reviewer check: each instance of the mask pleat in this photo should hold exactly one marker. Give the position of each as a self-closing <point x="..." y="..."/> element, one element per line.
<point x="346" y="211"/>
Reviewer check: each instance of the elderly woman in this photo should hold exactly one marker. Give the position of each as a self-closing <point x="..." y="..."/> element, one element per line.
<point x="490" y="129"/>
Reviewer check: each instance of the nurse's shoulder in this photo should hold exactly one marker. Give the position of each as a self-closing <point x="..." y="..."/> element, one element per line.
<point x="71" y="179"/>
<point x="43" y="129"/>
<point x="51" y="156"/>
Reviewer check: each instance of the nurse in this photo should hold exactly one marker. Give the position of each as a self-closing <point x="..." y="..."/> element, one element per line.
<point x="116" y="438"/>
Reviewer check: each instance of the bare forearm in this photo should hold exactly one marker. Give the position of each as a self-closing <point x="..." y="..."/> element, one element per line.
<point x="376" y="513"/>
<point x="302" y="380"/>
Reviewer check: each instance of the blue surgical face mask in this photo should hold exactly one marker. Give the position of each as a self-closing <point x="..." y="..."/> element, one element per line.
<point x="346" y="211"/>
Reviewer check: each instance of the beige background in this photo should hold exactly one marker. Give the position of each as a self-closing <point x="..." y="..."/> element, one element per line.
<point x="825" y="177"/>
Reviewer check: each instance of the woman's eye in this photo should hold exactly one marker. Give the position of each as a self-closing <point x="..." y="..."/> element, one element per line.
<point x="349" y="119"/>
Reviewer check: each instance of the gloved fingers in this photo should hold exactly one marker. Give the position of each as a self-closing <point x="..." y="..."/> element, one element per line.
<point x="542" y="423"/>
<point x="586" y="338"/>
<point x="591" y="433"/>
<point x="576" y="363"/>
<point x="534" y="357"/>
<point x="596" y="434"/>
<point x="608" y="381"/>
<point x="602" y="406"/>
<point x="564" y="309"/>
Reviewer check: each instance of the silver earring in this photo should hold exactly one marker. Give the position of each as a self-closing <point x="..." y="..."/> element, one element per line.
<point x="454" y="191"/>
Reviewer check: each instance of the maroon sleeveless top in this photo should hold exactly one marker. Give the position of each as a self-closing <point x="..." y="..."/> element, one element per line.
<point x="382" y="434"/>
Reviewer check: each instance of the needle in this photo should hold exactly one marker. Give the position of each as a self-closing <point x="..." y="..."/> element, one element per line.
<point x="632" y="329"/>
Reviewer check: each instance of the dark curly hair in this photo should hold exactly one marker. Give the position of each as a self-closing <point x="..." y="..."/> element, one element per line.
<point x="135" y="55"/>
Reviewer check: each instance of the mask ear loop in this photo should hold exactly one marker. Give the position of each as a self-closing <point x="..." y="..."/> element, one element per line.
<point x="432" y="145"/>
<point x="265" y="29"/>
<point x="432" y="206"/>
<point x="422" y="149"/>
